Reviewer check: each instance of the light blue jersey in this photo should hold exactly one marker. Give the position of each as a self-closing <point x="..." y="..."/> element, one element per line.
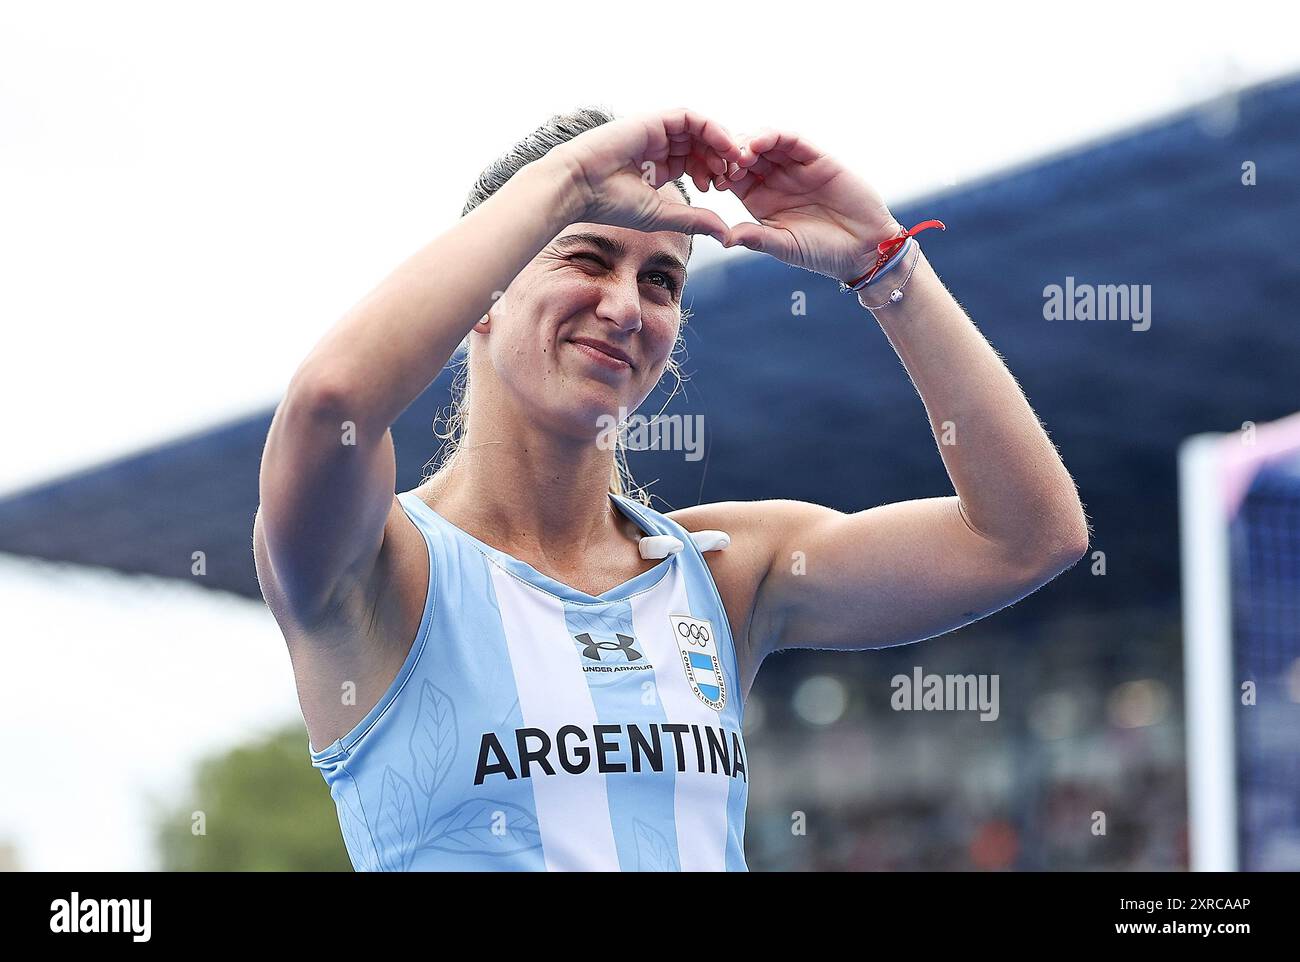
<point x="534" y="726"/>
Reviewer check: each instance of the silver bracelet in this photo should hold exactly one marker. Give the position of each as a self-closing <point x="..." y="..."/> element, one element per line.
<point x="896" y="294"/>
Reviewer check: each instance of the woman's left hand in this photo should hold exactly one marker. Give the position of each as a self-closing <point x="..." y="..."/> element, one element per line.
<point x="812" y="212"/>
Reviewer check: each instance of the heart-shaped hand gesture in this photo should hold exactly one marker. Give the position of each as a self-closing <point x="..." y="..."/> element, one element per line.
<point x="812" y="212"/>
<point x="617" y="170"/>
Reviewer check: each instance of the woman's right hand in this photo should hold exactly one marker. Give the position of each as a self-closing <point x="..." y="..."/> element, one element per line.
<point x="618" y="168"/>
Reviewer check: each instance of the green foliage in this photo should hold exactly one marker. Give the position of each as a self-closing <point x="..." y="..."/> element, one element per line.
<point x="265" y="809"/>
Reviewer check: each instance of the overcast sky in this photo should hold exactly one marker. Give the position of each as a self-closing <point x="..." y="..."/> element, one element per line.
<point x="190" y="194"/>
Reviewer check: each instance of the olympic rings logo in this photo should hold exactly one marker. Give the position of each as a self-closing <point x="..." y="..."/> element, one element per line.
<point x="694" y="634"/>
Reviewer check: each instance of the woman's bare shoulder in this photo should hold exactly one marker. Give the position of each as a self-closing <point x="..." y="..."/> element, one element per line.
<point x="763" y="525"/>
<point x="738" y="569"/>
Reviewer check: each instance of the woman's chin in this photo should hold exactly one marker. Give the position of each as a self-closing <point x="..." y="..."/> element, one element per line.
<point x="588" y="411"/>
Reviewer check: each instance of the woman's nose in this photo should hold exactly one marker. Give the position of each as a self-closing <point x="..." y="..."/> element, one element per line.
<point x="620" y="303"/>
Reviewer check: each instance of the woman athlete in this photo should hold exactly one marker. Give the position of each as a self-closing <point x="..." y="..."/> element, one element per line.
<point x="516" y="665"/>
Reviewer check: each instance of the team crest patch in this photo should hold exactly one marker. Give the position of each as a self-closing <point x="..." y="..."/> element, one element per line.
<point x="697" y="641"/>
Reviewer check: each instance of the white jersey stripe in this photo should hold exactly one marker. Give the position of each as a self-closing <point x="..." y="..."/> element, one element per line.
<point x="700" y="805"/>
<point x="553" y="693"/>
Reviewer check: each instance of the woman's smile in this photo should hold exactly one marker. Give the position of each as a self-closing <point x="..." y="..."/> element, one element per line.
<point x="606" y="355"/>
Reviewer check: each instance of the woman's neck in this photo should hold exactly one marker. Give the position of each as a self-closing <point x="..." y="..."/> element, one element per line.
<point x="540" y="498"/>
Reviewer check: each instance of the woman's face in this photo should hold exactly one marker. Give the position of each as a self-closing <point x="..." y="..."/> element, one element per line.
<point x="593" y="292"/>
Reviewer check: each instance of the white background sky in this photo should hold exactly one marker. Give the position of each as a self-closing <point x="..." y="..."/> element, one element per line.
<point x="190" y="194"/>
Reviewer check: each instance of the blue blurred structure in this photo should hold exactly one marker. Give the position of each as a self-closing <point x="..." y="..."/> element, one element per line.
<point x="818" y="408"/>
<point x="1265" y="552"/>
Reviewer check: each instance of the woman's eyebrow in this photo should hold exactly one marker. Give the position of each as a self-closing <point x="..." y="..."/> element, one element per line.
<point x="615" y="248"/>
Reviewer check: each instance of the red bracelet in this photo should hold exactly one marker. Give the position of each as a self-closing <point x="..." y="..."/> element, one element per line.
<point x="886" y="250"/>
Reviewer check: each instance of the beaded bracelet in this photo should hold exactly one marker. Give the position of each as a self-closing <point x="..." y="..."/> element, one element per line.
<point x="896" y="294"/>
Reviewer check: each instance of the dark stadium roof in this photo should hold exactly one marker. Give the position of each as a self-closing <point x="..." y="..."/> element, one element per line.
<point x="817" y="407"/>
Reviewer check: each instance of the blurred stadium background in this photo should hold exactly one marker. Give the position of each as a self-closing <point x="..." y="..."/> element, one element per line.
<point x="1093" y="708"/>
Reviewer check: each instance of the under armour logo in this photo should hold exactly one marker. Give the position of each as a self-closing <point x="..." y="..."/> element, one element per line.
<point x="592" y="649"/>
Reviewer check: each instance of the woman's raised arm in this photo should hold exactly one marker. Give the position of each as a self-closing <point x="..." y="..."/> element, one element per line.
<point x="328" y="470"/>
